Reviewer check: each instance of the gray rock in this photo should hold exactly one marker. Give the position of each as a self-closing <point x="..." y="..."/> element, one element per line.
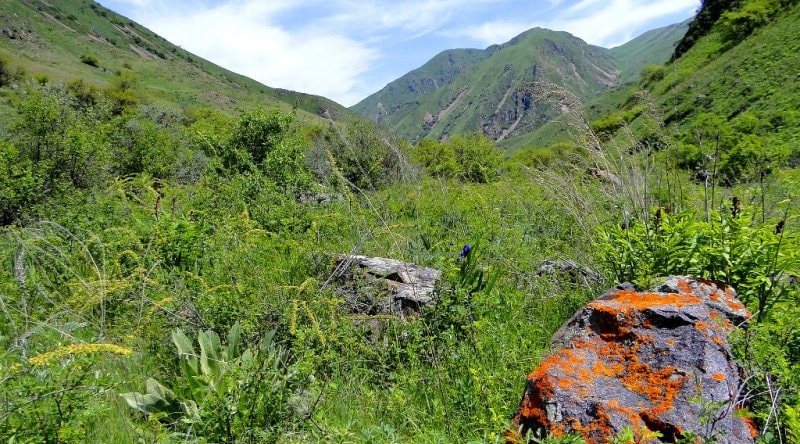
<point x="657" y="359"/>
<point x="379" y="286"/>
<point x="576" y="273"/>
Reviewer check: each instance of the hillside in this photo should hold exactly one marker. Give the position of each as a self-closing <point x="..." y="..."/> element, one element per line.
<point x="734" y="84"/>
<point x="489" y="90"/>
<point x="654" y="47"/>
<point x="245" y="277"/>
<point x="50" y="38"/>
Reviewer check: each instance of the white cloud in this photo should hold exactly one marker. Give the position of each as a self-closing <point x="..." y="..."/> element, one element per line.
<point x="242" y="37"/>
<point x="599" y="22"/>
<point x="610" y="23"/>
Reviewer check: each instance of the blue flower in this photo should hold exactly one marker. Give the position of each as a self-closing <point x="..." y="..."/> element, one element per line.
<point x="465" y="251"/>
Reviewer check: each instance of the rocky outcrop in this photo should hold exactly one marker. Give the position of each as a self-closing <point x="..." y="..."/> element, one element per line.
<point x="380" y="286"/>
<point x="656" y="360"/>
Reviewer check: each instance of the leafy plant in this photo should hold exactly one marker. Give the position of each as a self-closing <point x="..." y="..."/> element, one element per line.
<point x="225" y="392"/>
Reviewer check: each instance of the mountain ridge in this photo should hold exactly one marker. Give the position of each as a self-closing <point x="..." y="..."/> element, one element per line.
<point x="476" y="93"/>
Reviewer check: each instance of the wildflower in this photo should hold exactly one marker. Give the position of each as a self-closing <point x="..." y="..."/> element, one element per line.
<point x="75" y="349"/>
<point x="465" y="251"/>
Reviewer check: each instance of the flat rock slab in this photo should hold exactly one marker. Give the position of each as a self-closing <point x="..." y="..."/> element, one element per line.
<point x="656" y="360"/>
<point x="379" y="285"/>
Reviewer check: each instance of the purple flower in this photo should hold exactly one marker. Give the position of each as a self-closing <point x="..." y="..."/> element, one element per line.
<point x="465" y="251"/>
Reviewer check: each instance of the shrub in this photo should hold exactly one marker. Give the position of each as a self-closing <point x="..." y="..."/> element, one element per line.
<point x="90" y="60"/>
<point x="19" y="186"/>
<point x="737" y="25"/>
<point x="730" y="247"/>
<point x="267" y="142"/>
<point x="470" y="158"/>
<point x="5" y="72"/>
<point x="653" y="73"/>
<point x="363" y="155"/>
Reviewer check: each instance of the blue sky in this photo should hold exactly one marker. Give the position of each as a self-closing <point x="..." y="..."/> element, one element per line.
<point x="348" y="49"/>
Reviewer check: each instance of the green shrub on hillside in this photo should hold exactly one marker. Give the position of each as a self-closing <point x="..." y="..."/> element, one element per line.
<point x="267" y="142"/>
<point x="90" y="60"/>
<point x="470" y="158"/>
<point x="20" y="187"/>
<point x="5" y="72"/>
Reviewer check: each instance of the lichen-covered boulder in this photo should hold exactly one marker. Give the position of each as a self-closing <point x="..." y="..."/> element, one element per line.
<point x="656" y="360"/>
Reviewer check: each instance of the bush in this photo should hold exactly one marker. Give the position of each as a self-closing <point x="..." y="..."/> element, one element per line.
<point x="5" y="72"/>
<point x="738" y="24"/>
<point x="267" y="142"/>
<point x="90" y="60"/>
<point x="470" y="158"/>
<point x="362" y="154"/>
<point x="19" y="186"/>
<point x="730" y="247"/>
<point x="653" y="73"/>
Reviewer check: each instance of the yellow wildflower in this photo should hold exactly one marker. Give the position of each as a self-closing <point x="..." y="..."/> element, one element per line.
<point x="78" y="349"/>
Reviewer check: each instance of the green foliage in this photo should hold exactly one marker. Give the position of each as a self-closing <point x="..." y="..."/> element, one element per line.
<point x="792" y="415"/>
<point x="19" y="186"/>
<point x="739" y="151"/>
<point x="86" y="94"/>
<point x="266" y="142"/>
<point x="470" y="158"/>
<point x="730" y="247"/>
<point x="226" y="392"/>
<point x="90" y="60"/>
<point x="736" y="25"/>
<point x="606" y="126"/>
<point x="653" y="73"/>
<point x="357" y="152"/>
<point x="5" y="72"/>
<point x="629" y="436"/>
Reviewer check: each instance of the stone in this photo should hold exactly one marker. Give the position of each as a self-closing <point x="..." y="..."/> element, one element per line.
<point x="381" y="286"/>
<point x="656" y="360"/>
<point x="577" y="274"/>
<point x="605" y="176"/>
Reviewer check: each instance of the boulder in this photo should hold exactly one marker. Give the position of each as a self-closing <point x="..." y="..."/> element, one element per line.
<point x="381" y="286"/>
<point x="656" y="360"/>
<point x="577" y="274"/>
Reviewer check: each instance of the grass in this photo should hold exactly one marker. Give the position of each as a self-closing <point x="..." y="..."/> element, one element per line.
<point x="56" y="35"/>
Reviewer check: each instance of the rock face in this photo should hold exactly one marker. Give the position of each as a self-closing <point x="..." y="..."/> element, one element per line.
<point x="377" y="286"/>
<point x="658" y="360"/>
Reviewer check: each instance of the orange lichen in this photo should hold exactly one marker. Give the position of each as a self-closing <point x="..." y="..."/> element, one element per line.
<point x="733" y="304"/>
<point x="625" y="301"/>
<point x="751" y="425"/>
<point x="611" y="348"/>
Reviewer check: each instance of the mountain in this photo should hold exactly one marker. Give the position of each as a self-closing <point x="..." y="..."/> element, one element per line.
<point x="651" y="48"/>
<point x="64" y="40"/>
<point x="489" y="90"/>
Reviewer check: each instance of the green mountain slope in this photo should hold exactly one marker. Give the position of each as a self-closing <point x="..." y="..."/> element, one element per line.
<point x="489" y="90"/>
<point x="758" y="75"/>
<point x="651" y="48"/>
<point x="407" y="91"/>
<point x="50" y="38"/>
